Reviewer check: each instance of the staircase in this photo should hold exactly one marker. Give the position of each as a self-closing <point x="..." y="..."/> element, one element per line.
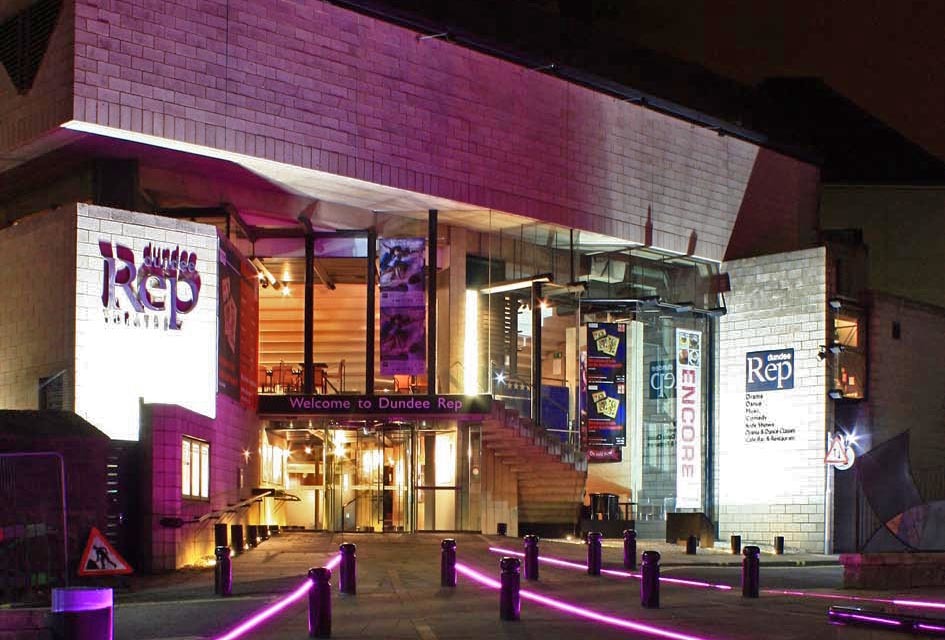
<point x="551" y="475"/>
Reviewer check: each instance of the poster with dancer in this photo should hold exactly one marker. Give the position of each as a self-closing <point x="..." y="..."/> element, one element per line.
<point x="401" y="278"/>
<point x="403" y="340"/>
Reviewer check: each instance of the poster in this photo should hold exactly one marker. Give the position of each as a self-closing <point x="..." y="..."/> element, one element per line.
<point x="606" y="414"/>
<point x="401" y="280"/>
<point x="403" y="340"/>
<point x="688" y="353"/>
<point x="402" y="283"/>
<point x="606" y="352"/>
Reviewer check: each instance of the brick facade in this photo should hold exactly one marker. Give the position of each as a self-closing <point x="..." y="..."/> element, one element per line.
<point x="770" y="487"/>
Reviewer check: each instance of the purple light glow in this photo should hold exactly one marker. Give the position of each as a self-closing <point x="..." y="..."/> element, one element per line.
<point x="929" y="627"/>
<point x="621" y="623"/>
<point x="864" y="618"/>
<point x="612" y="572"/>
<point x="261" y="616"/>
<point x="919" y="604"/>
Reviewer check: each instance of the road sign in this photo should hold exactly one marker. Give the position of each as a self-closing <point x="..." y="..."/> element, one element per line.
<point x="837" y="453"/>
<point x="101" y="559"/>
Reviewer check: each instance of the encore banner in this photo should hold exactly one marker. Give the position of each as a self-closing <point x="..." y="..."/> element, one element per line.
<point x="688" y="419"/>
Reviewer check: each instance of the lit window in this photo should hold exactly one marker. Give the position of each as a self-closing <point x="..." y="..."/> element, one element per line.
<point x="195" y="469"/>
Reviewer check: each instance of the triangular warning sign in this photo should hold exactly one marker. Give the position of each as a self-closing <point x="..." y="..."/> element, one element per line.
<point x="100" y="558"/>
<point x="837" y="453"/>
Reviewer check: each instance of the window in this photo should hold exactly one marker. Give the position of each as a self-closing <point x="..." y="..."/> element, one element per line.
<point x="849" y="371"/>
<point x="195" y="469"/>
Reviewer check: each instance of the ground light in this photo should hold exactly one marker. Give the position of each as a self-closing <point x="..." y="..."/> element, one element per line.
<point x="581" y="612"/>
<point x="898" y="602"/>
<point x="261" y="616"/>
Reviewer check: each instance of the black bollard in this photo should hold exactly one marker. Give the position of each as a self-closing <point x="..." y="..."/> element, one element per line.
<point x="736" y="543"/>
<point x="319" y="603"/>
<point x="448" y="563"/>
<point x="510" y="603"/>
<point x="79" y="613"/>
<point x="263" y="532"/>
<point x="650" y="580"/>
<point x="501" y="528"/>
<point x="691" y="543"/>
<point x="236" y="535"/>
<point x="222" y="572"/>
<point x="252" y="536"/>
<point x="347" y="570"/>
<point x="630" y="549"/>
<point x="751" y="570"/>
<point x="531" y="557"/>
<point x="593" y="553"/>
<point x="273" y="530"/>
<point x="219" y="535"/>
<point x="779" y="545"/>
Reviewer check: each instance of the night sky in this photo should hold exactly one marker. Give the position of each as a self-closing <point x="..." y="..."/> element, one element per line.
<point x="887" y="56"/>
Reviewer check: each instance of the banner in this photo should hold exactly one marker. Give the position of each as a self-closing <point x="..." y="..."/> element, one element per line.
<point x="688" y="419"/>
<point x="228" y="331"/>
<point x="402" y="284"/>
<point x="604" y="396"/>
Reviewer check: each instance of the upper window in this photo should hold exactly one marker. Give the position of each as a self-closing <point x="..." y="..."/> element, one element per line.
<point x="849" y="372"/>
<point x="195" y="469"/>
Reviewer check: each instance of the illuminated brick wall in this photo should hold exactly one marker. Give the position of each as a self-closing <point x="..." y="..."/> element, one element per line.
<point x="37" y="308"/>
<point x="771" y="474"/>
<point x="313" y="85"/>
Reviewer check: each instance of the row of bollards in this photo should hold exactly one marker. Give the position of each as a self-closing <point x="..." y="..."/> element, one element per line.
<point x="223" y="567"/>
<point x="735" y="543"/>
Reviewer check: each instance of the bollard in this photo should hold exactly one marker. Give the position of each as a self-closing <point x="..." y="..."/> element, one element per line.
<point x="736" y="543"/>
<point x="222" y="572"/>
<point x="510" y="603"/>
<point x="630" y="549"/>
<point x="252" y="538"/>
<point x="448" y="563"/>
<point x="81" y="613"/>
<point x="501" y="528"/>
<point x="274" y="530"/>
<point x="593" y="553"/>
<point x="650" y="580"/>
<point x="691" y="543"/>
<point x="531" y="557"/>
<point x="347" y="570"/>
<point x="779" y="545"/>
<point x="236" y="535"/>
<point x="751" y="566"/>
<point x="319" y="603"/>
<point x="219" y="535"/>
<point x="263" y="532"/>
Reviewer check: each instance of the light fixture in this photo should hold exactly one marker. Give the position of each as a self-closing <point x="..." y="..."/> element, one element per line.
<point x="835" y="303"/>
<point x="835" y="394"/>
<point x="499" y="377"/>
<point x="514" y="285"/>
<point x="832" y="348"/>
<point x="308" y="450"/>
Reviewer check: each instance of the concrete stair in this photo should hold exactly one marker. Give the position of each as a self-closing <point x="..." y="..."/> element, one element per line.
<point x="551" y="475"/>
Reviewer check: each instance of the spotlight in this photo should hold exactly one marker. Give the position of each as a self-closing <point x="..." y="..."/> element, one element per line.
<point x="835" y="303"/>
<point x="835" y="348"/>
<point x="835" y="394"/>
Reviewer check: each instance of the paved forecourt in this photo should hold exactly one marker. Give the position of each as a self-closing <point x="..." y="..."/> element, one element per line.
<point x="399" y="594"/>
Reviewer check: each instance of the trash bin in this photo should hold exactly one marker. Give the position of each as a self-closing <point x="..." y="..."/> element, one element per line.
<point x="82" y="613"/>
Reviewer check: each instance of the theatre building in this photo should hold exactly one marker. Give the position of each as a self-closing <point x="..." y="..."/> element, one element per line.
<point x="316" y="270"/>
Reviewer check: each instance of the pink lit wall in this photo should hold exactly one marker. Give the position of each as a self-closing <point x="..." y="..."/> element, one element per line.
<point x="316" y="86"/>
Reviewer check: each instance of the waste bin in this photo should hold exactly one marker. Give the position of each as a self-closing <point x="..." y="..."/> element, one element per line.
<point x="82" y="613"/>
<point x="605" y="506"/>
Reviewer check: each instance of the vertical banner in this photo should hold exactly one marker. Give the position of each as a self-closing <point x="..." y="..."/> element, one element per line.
<point x="228" y="329"/>
<point x="604" y="397"/>
<point x="688" y="419"/>
<point x="402" y="284"/>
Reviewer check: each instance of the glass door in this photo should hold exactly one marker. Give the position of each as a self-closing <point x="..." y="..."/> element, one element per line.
<point x="369" y="468"/>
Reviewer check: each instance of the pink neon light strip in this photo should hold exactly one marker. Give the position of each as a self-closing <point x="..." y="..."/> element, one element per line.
<point x="612" y="572"/>
<point x="581" y="612"/>
<point x="865" y="618"/>
<point x="918" y="604"/>
<point x="261" y="616"/>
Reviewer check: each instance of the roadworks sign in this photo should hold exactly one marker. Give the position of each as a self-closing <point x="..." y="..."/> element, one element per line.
<point x="837" y="453"/>
<point x="101" y="559"/>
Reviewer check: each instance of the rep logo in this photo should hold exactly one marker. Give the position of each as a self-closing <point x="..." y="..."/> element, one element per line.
<point x="769" y="370"/>
<point x="662" y="380"/>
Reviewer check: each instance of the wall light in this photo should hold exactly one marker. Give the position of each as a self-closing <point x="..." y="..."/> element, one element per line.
<point x="835" y="394"/>
<point x="514" y="285"/>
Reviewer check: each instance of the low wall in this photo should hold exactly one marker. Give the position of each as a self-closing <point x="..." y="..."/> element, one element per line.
<point x="892" y="570"/>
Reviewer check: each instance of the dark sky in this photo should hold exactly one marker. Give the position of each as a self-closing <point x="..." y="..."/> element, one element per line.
<point x="887" y="56"/>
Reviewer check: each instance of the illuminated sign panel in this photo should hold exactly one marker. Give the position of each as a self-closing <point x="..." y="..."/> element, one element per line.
<point x="688" y="419"/>
<point x="769" y="370"/>
<point x="146" y="317"/>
